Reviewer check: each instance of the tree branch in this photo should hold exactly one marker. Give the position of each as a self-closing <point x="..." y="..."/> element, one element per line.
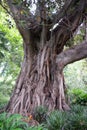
<point x="63" y="11"/>
<point x="70" y="21"/>
<point x="73" y="54"/>
<point x="7" y="11"/>
<point x="23" y="16"/>
<point x="16" y="12"/>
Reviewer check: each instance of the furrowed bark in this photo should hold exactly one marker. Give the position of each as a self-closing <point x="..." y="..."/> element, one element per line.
<point x="43" y="85"/>
<point x="41" y="80"/>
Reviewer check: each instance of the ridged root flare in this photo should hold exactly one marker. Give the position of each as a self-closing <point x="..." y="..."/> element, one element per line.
<point x="40" y="85"/>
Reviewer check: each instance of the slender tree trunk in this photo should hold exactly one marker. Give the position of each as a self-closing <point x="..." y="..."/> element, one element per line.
<point x="41" y="82"/>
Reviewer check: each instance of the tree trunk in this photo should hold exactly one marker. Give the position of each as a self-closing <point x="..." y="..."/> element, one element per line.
<point x="41" y="82"/>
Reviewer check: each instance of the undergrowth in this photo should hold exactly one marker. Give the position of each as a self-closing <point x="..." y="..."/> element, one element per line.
<point x="75" y="119"/>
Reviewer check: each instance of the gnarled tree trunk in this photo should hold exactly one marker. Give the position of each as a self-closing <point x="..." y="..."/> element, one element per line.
<point x="39" y="83"/>
<point x="41" y="80"/>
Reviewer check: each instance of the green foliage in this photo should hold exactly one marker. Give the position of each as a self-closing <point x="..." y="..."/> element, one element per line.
<point x="11" y="55"/>
<point x="79" y="37"/>
<point x="39" y="127"/>
<point x="40" y="114"/>
<point x="76" y="82"/>
<point x="77" y="119"/>
<point x="79" y="97"/>
<point x="74" y="74"/>
<point x="56" y="120"/>
<point x="76" y="122"/>
<point x="3" y="44"/>
<point x="12" y="122"/>
<point x="3" y="98"/>
<point x="78" y="108"/>
<point x="2" y="105"/>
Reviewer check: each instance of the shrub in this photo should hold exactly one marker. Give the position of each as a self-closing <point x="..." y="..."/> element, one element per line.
<point x="12" y="122"/>
<point x="76" y="119"/>
<point x="40" y="127"/>
<point x="40" y="114"/>
<point x="56" y="120"/>
<point x="78" y="108"/>
<point x="3" y="105"/>
<point x="79" y="97"/>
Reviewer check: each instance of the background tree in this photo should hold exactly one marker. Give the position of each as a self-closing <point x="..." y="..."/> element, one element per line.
<point x="11" y="55"/>
<point x="41" y="80"/>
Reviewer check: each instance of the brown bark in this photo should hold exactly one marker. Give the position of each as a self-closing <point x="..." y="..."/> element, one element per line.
<point x="41" y="80"/>
<point x="71" y="16"/>
<point x="73" y="54"/>
<point x="43" y="84"/>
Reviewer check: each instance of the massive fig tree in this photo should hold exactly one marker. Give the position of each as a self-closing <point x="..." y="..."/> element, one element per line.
<point x="45" y="31"/>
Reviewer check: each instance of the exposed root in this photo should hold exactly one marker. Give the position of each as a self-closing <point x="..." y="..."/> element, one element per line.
<point x="43" y="85"/>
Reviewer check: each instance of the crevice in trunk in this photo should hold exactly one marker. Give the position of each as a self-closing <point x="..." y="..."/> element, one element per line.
<point x="42" y="84"/>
